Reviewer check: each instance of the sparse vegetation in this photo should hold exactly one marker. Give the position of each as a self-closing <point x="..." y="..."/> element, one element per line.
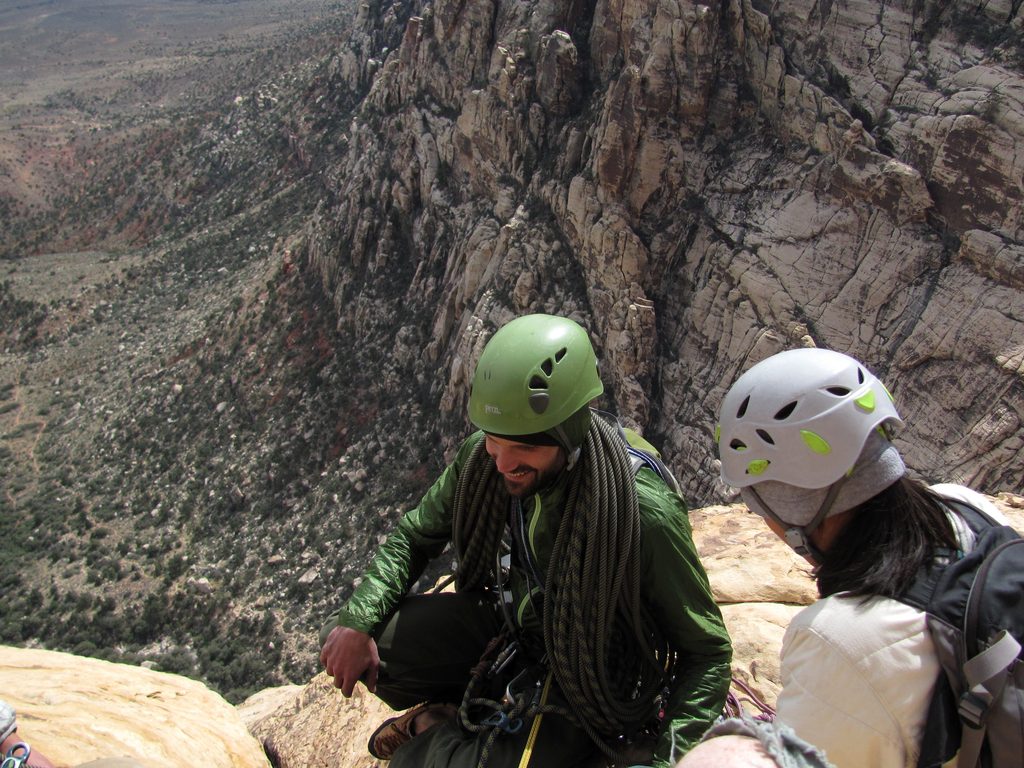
<point x="172" y="413"/>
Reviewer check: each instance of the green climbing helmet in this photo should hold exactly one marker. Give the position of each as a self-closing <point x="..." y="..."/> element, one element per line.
<point x="535" y="373"/>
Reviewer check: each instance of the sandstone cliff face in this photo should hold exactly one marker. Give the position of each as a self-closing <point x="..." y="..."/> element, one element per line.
<point x="702" y="185"/>
<point x="75" y="710"/>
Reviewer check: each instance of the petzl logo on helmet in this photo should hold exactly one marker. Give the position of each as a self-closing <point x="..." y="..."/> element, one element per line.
<point x="492" y="410"/>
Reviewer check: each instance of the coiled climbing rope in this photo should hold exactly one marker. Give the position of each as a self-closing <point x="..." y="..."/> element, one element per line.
<point x="607" y="655"/>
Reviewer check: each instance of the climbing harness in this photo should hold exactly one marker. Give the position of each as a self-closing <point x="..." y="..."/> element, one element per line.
<point x="525" y="698"/>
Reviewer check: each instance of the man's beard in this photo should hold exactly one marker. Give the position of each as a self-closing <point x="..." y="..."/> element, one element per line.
<point x="529" y="484"/>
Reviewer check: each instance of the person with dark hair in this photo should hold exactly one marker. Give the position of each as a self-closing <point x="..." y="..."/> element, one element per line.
<point x="804" y="435"/>
<point x="582" y="625"/>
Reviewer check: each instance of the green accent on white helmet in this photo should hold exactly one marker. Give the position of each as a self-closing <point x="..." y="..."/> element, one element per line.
<point x="758" y="467"/>
<point x="535" y="373"/>
<point x="816" y="443"/>
<point x="866" y="402"/>
<point x="800" y="417"/>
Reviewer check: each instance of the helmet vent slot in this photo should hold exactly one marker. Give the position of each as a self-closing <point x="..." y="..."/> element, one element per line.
<point x="838" y="391"/>
<point x="560" y="354"/>
<point x="860" y="376"/>
<point x="536" y="382"/>
<point x="548" y="367"/>
<point x="743" y="407"/>
<point x="738" y="445"/>
<point x="765" y="436"/>
<point x="785" y="411"/>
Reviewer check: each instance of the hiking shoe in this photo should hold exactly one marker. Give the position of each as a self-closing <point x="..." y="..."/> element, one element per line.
<point x="395" y="731"/>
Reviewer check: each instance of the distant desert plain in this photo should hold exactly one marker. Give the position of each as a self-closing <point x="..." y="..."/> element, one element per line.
<point x="74" y="68"/>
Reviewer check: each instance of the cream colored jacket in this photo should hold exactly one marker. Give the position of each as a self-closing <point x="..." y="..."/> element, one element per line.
<point x="857" y="678"/>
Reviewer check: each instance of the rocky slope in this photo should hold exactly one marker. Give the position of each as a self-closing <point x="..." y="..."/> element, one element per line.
<point x="701" y="185"/>
<point x="205" y="436"/>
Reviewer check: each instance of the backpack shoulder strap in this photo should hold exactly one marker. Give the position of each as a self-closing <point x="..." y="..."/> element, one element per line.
<point x="987" y="672"/>
<point x="964" y="593"/>
<point x="920" y="593"/>
<point x="643" y="454"/>
<point x="977" y="520"/>
<point x="640" y="459"/>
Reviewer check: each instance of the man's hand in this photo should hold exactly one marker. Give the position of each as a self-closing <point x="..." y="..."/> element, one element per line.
<point x="347" y="655"/>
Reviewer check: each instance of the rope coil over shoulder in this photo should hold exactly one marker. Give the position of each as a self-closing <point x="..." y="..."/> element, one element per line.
<point x="608" y="657"/>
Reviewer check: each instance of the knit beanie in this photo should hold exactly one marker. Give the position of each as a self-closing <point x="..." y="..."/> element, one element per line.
<point x="568" y="435"/>
<point x="878" y="467"/>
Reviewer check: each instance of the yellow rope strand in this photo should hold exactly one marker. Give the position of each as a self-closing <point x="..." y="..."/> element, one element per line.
<point x="528" y="749"/>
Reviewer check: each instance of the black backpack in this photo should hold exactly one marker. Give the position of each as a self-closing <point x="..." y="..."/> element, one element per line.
<point x="975" y="607"/>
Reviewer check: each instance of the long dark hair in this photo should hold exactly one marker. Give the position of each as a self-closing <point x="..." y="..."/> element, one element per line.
<point x="886" y="541"/>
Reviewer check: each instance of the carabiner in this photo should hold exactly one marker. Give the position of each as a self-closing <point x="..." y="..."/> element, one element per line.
<point x="501" y="720"/>
<point x="503" y="659"/>
<point x="17" y="755"/>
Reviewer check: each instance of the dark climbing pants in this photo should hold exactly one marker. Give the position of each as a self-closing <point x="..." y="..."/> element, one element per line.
<point x="427" y="651"/>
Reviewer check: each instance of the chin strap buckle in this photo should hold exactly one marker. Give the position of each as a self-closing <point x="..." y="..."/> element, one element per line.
<point x="797" y="540"/>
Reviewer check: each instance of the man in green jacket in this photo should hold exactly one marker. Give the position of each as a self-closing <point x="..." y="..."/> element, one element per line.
<point x="582" y="621"/>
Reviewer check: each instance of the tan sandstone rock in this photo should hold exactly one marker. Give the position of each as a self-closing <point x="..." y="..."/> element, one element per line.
<point x="317" y="726"/>
<point x="75" y="710"/>
<point x="756" y="630"/>
<point x="746" y="562"/>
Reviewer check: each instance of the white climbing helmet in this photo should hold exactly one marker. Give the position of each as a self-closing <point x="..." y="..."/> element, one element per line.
<point x="800" y="417"/>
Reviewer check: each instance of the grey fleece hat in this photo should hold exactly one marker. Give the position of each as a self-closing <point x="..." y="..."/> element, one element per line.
<point x="878" y="467"/>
